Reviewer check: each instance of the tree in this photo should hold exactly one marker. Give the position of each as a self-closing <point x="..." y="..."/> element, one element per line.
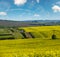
<point x="53" y="36"/>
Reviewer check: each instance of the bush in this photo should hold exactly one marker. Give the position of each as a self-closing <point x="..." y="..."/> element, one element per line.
<point x="53" y="36"/>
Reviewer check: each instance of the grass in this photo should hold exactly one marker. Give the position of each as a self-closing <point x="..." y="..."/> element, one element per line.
<point x="6" y="33"/>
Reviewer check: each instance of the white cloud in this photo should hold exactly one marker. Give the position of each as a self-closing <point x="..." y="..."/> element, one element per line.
<point x="19" y="2"/>
<point x="3" y="13"/>
<point x="38" y="1"/>
<point x="36" y="15"/>
<point x="56" y="8"/>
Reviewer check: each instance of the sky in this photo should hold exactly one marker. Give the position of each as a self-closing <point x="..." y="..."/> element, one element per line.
<point x="22" y="10"/>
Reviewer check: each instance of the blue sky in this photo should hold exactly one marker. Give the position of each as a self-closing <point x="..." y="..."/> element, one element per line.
<point x="21" y="10"/>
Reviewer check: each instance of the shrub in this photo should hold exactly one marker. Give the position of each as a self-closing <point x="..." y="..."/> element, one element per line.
<point x="53" y="36"/>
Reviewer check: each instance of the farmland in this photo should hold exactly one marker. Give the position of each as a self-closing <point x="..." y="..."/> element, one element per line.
<point x="43" y="32"/>
<point x="15" y="42"/>
<point x="30" y="48"/>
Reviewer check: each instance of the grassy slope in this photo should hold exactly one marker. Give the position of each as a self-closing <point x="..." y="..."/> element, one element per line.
<point x="5" y="33"/>
<point x="43" y="31"/>
<point x="38" y="32"/>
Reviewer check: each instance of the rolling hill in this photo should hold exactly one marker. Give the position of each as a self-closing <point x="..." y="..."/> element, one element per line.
<point x="7" y="23"/>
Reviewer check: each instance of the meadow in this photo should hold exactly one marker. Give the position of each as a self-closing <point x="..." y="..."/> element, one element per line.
<point x="42" y="45"/>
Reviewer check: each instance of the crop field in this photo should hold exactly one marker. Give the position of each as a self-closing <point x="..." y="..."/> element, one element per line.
<point x="30" y="48"/>
<point x="40" y="41"/>
<point x="43" y="32"/>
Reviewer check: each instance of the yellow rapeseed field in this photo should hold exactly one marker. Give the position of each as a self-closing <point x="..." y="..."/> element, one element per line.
<point x="43" y="46"/>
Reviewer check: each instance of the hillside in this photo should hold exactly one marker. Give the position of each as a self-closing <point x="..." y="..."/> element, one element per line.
<point x="42" y="32"/>
<point x="7" y="23"/>
<point x="37" y="41"/>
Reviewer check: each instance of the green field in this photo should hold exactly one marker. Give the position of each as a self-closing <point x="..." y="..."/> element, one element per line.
<point x="42" y="45"/>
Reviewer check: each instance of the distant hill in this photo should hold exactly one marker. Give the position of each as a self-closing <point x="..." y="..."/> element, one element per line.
<point x="7" y="23"/>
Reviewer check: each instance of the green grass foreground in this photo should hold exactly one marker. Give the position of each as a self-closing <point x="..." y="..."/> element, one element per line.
<point x="30" y="48"/>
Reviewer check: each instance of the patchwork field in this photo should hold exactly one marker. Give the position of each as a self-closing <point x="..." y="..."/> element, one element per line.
<point x="43" y="32"/>
<point x="14" y="42"/>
